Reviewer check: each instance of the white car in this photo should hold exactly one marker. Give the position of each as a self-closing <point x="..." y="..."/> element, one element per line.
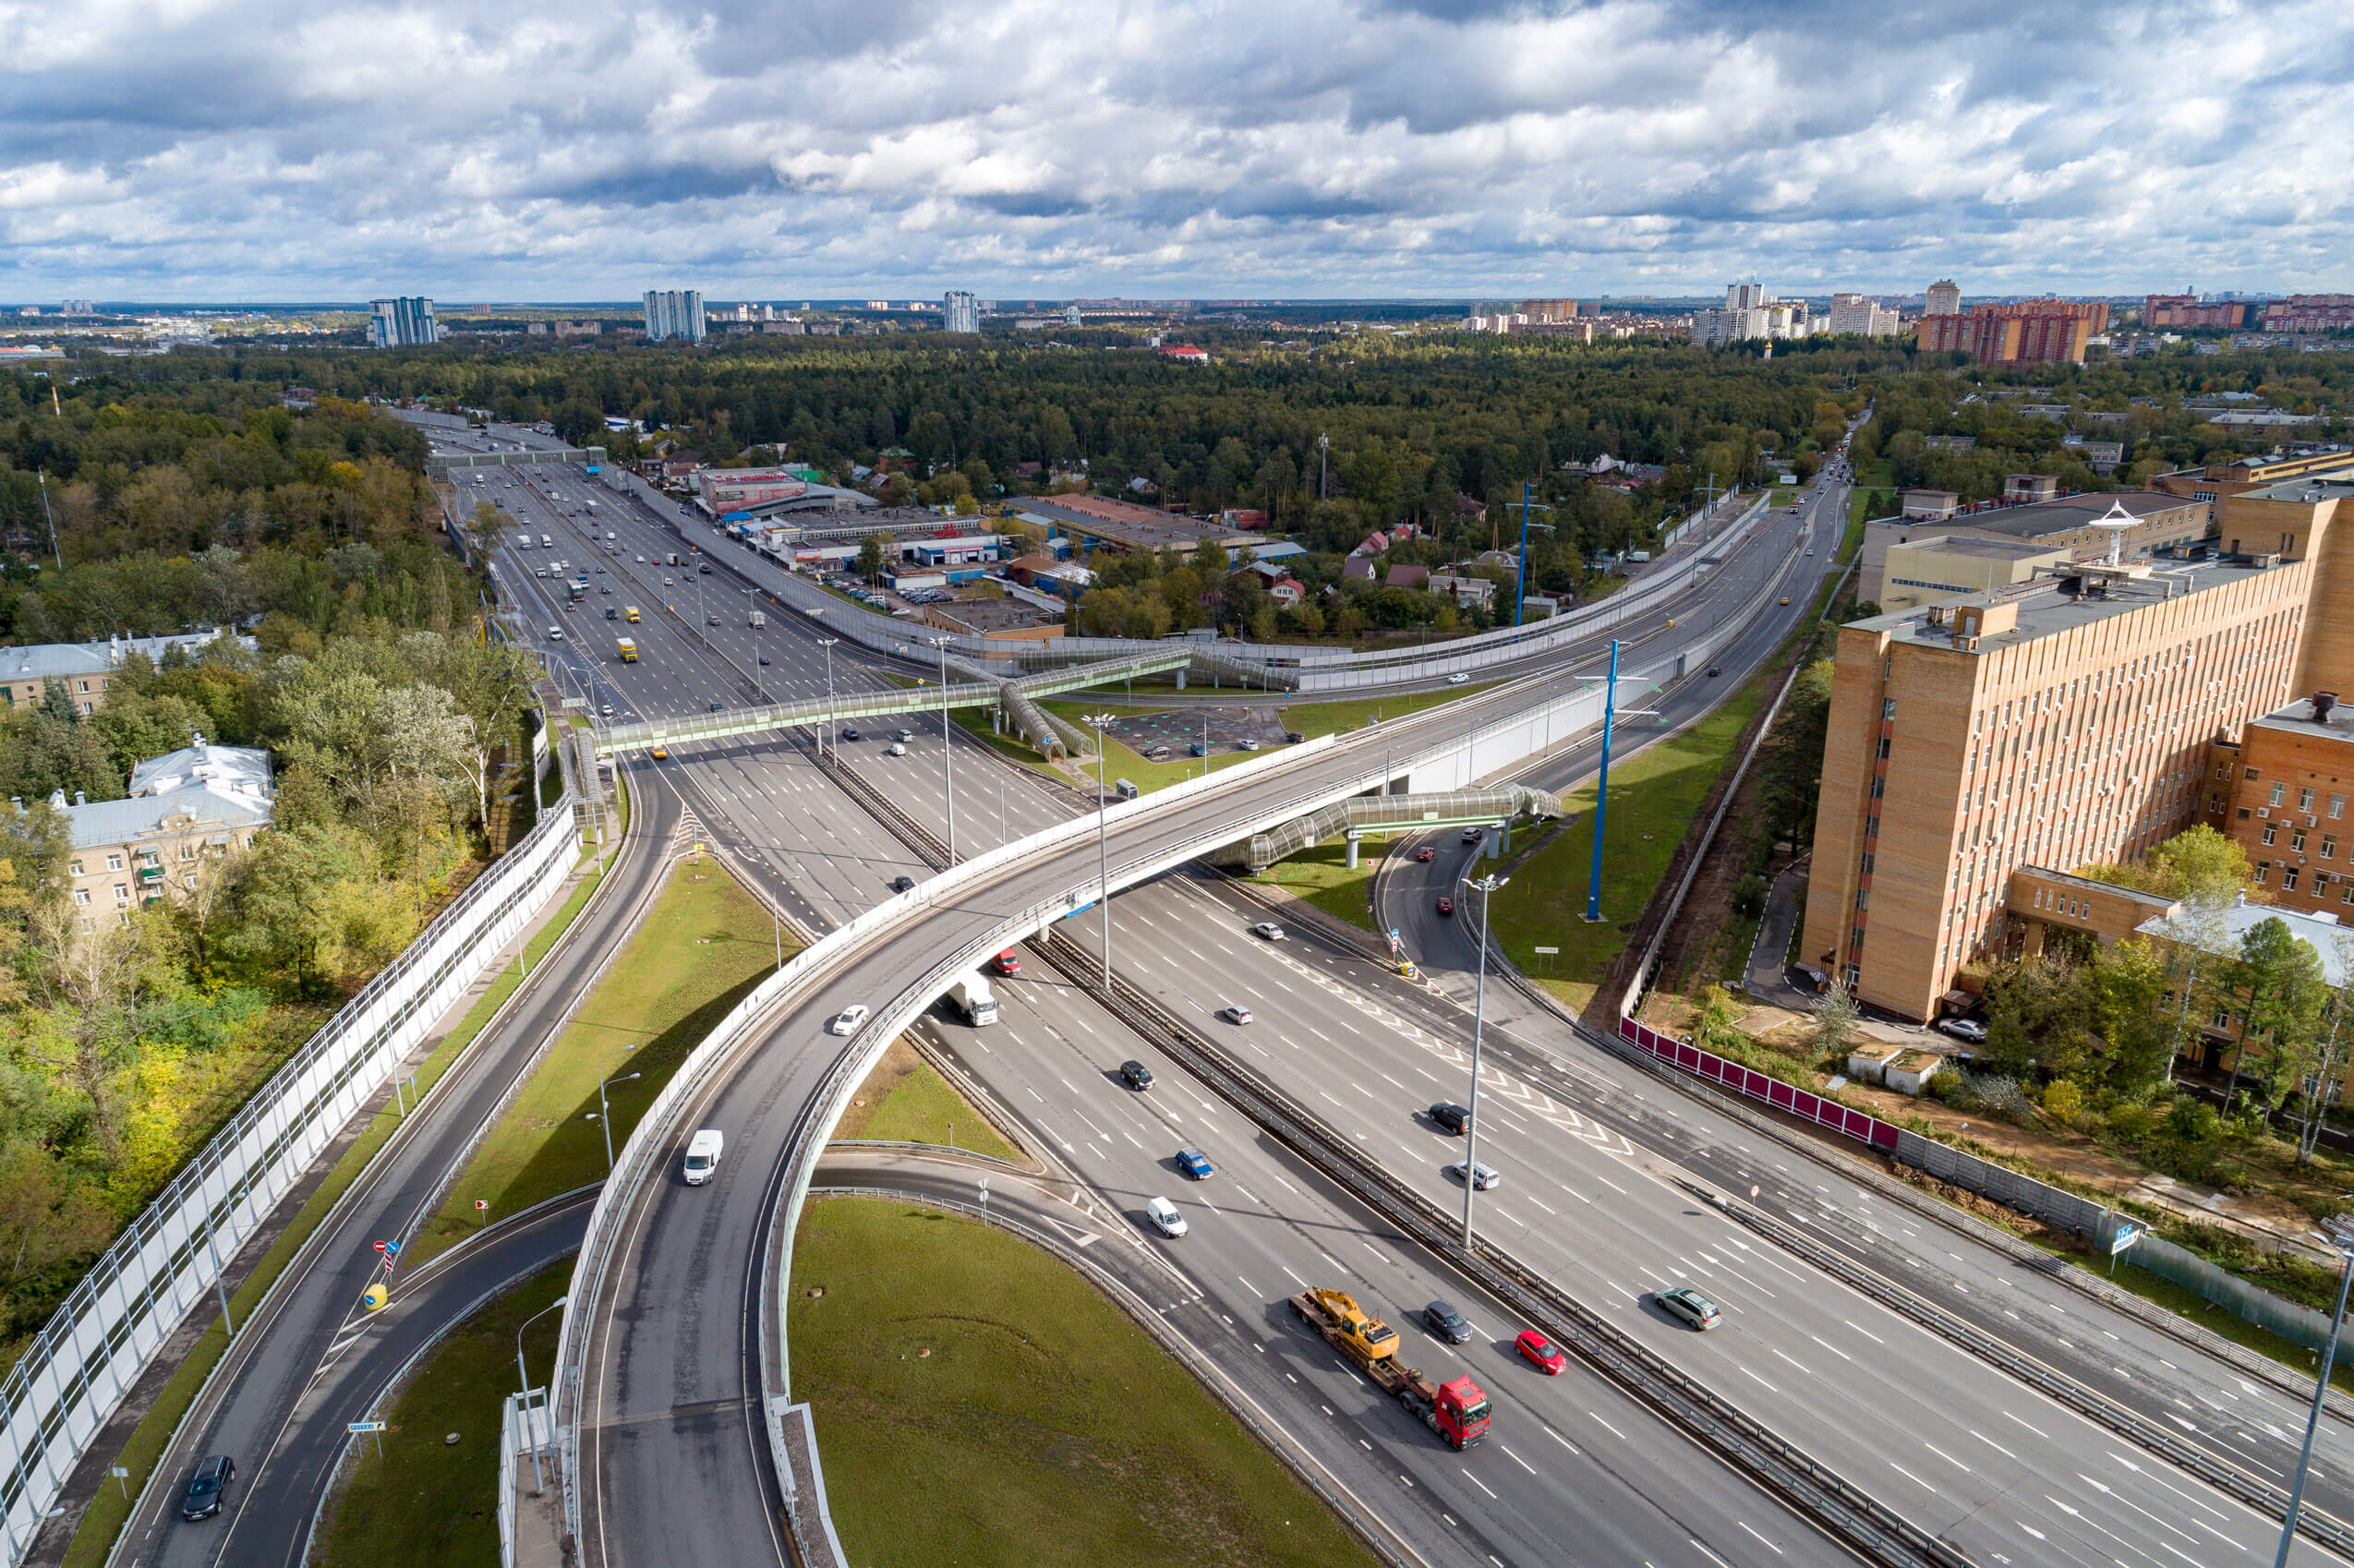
<point x="1970" y="1030"/>
<point x="1234" y="1013"/>
<point x="1457" y="679"/>
<point x="556" y="633"/>
<point x="1164" y="1217"/>
<point x="896" y="749"/>
<point x="1269" y="930"/>
<point x="850" y="1019"/>
<point x="607" y="711"/>
<point x="1487" y="1175"/>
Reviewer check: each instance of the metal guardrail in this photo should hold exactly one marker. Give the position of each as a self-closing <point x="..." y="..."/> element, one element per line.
<point x="85" y="1360"/>
<point x="1810" y="1488"/>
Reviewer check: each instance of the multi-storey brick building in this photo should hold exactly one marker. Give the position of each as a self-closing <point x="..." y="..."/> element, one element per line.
<point x="2310" y="313"/>
<point x="2054" y="723"/>
<point x="2290" y="777"/>
<point x="2035" y="332"/>
<point x="2188" y="310"/>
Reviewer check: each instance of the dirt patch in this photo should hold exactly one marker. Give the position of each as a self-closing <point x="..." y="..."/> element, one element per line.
<point x="2071" y="1155"/>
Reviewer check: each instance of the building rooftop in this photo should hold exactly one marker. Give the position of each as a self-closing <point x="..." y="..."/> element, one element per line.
<point x="231" y="769"/>
<point x="2335" y="719"/>
<point x="2334" y="484"/>
<point x="2048" y="605"/>
<point x="2235" y="919"/>
<point x="1990" y="549"/>
<point x="44" y="661"/>
<point x="2070" y="513"/>
<point x="123" y="822"/>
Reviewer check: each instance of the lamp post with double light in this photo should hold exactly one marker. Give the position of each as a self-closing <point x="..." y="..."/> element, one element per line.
<point x="1486" y="886"/>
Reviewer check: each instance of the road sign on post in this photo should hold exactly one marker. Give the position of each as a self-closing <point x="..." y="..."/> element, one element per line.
<point x="2126" y="1234"/>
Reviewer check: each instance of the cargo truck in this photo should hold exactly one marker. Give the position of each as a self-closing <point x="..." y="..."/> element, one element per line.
<point x="627" y="648"/>
<point x="629" y="614"/>
<point x="1457" y="1410"/>
<point x="759" y="619"/>
<point x="974" y="998"/>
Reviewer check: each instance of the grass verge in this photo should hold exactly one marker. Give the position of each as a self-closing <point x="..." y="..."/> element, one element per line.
<point x="426" y="1500"/>
<point x="950" y="1362"/>
<point x="703" y="945"/>
<point x="975" y="722"/>
<point x="1339" y="717"/>
<point x="1321" y="877"/>
<point x="1655" y="796"/>
<point x="905" y="1101"/>
<point x="108" y="1511"/>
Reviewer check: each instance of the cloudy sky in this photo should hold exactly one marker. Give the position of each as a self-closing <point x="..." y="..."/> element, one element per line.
<point x="187" y="149"/>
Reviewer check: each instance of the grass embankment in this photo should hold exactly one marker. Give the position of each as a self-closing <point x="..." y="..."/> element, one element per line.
<point x="1872" y="495"/>
<point x="904" y="1100"/>
<point x="1654" y="797"/>
<point x="949" y="1362"/>
<point x="427" y="1499"/>
<point x="703" y="946"/>
<point x="1340" y="718"/>
<point x="94" y="1538"/>
<point x="974" y="722"/>
<point x="1321" y="877"/>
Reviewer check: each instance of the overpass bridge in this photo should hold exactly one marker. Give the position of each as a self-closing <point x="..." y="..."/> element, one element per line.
<point x="1017" y="696"/>
<point x="1361" y="815"/>
<point x="439" y="464"/>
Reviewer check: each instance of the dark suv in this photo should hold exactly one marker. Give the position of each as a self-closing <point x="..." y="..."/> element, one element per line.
<point x="1451" y="1118"/>
<point x="1136" y="1075"/>
<point x="208" y="1486"/>
<point x="1446" y="1322"/>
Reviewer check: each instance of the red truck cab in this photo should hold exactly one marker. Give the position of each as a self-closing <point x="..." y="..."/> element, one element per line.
<point x="1461" y="1416"/>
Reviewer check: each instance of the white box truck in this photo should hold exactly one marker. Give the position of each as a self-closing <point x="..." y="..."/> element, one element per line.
<point x="974" y="998"/>
<point x="759" y="619"/>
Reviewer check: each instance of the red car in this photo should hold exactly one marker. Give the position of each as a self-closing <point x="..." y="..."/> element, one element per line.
<point x="1446" y="906"/>
<point x="1422" y="854"/>
<point x="1542" y="1353"/>
<point x="1007" y="962"/>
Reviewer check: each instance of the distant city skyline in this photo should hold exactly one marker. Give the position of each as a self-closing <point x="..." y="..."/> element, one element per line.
<point x="1318" y="149"/>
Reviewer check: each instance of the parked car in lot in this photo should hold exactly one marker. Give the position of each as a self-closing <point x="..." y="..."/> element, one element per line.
<point x="1681" y="1301"/>
<point x="1195" y="1164"/>
<point x="1446" y="1322"/>
<point x="1970" y="1030"/>
<point x="850" y="1019"/>
<point x="208" y="1486"/>
<point x="1540" y="1353"/>
<point x="1164" y="1217"/>
<point x="1451" y="1118"/>
<point x="1483" y="1175"/>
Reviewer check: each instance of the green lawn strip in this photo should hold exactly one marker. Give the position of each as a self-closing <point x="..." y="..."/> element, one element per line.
<point x="974" y="721"/>
<point x="427" y="1499"/>
<point x="905" y="1101"/>
<point x="1039" y="1426"/>
<point x="1339" y="717"/>
<point x="1654" y="797"/>
<point x="2197" y="1308"/>
<point x="1121" y="762"/>
<point x="94" y="1538"/>
<point x="703" y="945"/>
<point x="1321" y="877"/>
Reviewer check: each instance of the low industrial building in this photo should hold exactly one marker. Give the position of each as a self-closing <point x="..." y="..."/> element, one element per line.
<point x="1941" y="565"/>
<point x="2139" y="523"/>
<point x="85" y="669"/>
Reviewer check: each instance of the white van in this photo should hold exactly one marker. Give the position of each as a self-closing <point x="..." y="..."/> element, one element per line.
<point x="546" y="542"/>
<point x="703" y="1155"/>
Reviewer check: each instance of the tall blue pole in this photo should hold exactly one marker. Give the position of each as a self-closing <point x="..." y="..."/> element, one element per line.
<point x="1602" y="789"/>
<point x="1520" y="585"/>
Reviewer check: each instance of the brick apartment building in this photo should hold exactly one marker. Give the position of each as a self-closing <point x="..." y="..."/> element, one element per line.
<point x="2186" y="310"/>
<point x="2220" y="481"/>
<point x="2311" y="313"/>
<point x="2035" y="332"/>
<point x="2053" y="723"/>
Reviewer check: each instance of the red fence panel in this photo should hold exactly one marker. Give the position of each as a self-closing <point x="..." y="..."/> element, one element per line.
<point x="1860" y="1126"/>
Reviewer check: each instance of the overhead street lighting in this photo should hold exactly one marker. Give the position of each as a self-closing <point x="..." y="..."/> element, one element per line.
<point x="1602" y="782"/>
<point x="1100" y="722"/>
<point x="2341" y="1236"/>
<point x="947" y="751"/>
<point x="538" y="1480"/>
<point x="827" y="644"/>
<point x="1520" y="584"/>
<point x="1487" y="886"/>
<point x="603" y="1116"/>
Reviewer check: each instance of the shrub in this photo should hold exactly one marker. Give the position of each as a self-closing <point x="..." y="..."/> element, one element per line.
<point x="2063" y="1102"/>
<point x="1749" y="895"/>
<point x="2194" y="1121"/>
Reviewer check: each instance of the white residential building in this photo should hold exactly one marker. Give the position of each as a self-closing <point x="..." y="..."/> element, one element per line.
<point x="961" y="311"/>
<point x="674" y="313"/>
<point x="1853" y="313"/>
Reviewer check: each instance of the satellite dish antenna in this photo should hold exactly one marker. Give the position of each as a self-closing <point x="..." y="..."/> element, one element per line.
<point x="2118" y="521"/>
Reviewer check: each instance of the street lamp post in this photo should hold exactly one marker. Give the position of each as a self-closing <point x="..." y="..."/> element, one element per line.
<point x="1100" y="722"/>
<point x="1487" y="886"/>
<point x="1520" y="583"/>
<point x="827" y="644"/>
<point x="947" y="751"/>
<point x="522" y="1372"/>
<point x="2321" y="1392"/>
<point x="1602" y="782"/>
<point x="604" y="1118"/>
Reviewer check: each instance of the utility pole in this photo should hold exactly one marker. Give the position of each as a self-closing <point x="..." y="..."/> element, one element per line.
<point x="1487" y="886"/>
<point x="1324" y="467"/>
<point x="1100" y="722"/>
<point x="947" y="751"/>
<point x="2313" y="1419"/>
<point x="50" y="515"/>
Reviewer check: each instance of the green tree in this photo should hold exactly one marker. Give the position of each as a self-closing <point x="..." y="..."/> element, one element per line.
<point x="2275" y="979"/>
<point x="2130" y="987"/>
<point x="1836" y="1019"/>
<point x="1792" y="768"/>
<point x="2038" y="1018"/>
<point x="872" y="551"/>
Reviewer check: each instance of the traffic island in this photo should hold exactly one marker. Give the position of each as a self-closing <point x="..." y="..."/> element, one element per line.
<point x="947" y="1361"/>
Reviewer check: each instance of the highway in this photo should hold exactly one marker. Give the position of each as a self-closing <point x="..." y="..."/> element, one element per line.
<point x="311" y="1359"/>
<point x="2074" y="1513"/>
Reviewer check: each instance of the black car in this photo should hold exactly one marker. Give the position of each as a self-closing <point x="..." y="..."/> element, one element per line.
<point x="1293" y="736"/>
<point x="208" y="1486"/>
<point x="1446" y="1322"/>
<point x="849" y="731"/>
<point x="1136" y="1075"/>
<point x="1451" y="1118"/>
<point x="901" y="884"/>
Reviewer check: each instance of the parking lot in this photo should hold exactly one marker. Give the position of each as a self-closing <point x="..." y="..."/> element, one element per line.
<point x="1181" y="730"/>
